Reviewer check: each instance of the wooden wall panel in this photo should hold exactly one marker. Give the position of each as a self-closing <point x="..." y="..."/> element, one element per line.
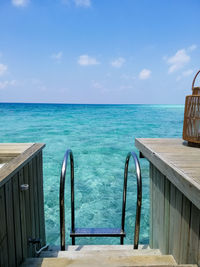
<point x="175" y="221"/>
<point x="41" y="198"/>
<point x="22" y="213"/>
<point x="3" y="230"/>
<point x="10" y="223"/>
<point x="17" y="219"/>
<point x="31" y="198"/>
<point x="27" y="208"/>
<point x="193" y="252"/>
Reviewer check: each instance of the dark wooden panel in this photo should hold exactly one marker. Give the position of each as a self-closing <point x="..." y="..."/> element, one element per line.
<point x="27" y="209"/>
<point x="22" y="212"/>
<point x="3" y="233"/>
<point x="10" y="224"/>
<point x="17" y="220"/>
<point x="41" y="199"/>
<point x="23" y="215"/>
<point x="31" y="198"/>
<point x="4" y="253"/>
<point x="35" y="190"/>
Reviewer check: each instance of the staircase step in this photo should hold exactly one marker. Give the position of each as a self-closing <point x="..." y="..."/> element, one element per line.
<point x="100" y="247"/>
<point x="96" y="260"/>
<point x="98" y="232"/>
<point x="98" y="251"/>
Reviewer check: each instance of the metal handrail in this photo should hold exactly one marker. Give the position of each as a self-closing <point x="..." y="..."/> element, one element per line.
<point x="62" y="198"/>
<point x="139" y="197"/>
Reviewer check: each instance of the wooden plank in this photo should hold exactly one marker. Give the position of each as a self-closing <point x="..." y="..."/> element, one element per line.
<point x="172" y="216"/>
<point x="151" y="205"/>
<point x="155" y="208"/>
<point x="31" y="199"/>
<point x="185" y="227"/>
<point x="10" y="224"/>
<point x="198" y="262"/>
<point x="4" y="253"/>
<point x="193" y="253"/>
<point x="18" y="162"/>
<point x="41" y="199"/>
<point x="35" y="185"/>
<point x="166" y="216"/>
<point x="161" y="207"/>
<point x="23" y="215"/>
<point x="4" y="159"/>
<point x="177" y="225"/>
<point x="3" y="231"/>
<point x="162" y="210"/>
<point x="17" y="219"/>
<point x="16" y="144"/>
<point x="188" y="185"/>
<point x="27" y="208"/>
<point x="158" y="202"/>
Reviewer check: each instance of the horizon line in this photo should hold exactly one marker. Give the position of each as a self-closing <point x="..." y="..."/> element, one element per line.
<point x="58" y="103"/>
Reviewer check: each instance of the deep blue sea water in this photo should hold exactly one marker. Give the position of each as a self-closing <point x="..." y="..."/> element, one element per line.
<point x="100" y="137"/>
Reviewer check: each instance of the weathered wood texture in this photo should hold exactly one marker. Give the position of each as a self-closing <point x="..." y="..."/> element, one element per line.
<point x="174" y="218"/>
<point x="22" y="212"/>
<point x="175" y="221"/>
<point x="177" y="161"/>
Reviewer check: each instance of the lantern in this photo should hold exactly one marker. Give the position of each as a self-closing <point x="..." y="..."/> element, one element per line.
<point x="191" y="125"/>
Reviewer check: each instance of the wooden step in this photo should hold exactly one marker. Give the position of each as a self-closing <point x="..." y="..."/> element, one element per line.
<point x="96" y="260"/>
<point x="101" y="247"/>
<point x="97" y="251"/>
<point x="98" y="232"/>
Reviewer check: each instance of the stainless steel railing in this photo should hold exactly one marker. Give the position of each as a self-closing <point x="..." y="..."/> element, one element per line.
<point x="139" y="197"/>
<point x="62" y="198"/>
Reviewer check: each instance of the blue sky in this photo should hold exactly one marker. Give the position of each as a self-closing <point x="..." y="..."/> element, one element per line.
<point x="98" y="51"/>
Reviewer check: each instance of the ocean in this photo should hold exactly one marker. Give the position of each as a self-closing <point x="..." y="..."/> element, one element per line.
<point x="100" y="137"/>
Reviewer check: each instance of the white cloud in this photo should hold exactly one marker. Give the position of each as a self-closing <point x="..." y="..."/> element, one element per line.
<point x="184" y="74"/>
<point x="178" y="61"/>
<point x="57" y="56"/>
<point x="117" y="63"/>
<point x="187" y="72"/>
<point x="20" y="3"/>
<point x="85" y="60"/>
<point x="82" y="3"/>
<point x="3" y="69"/>
<point x="5" y="84"/>
<point x="192" y="47"/>
<point x="144" y="74"/>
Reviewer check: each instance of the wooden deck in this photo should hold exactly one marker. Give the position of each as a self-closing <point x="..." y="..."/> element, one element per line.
<point x="178" y="162"/>
<point x="174" y="197"/>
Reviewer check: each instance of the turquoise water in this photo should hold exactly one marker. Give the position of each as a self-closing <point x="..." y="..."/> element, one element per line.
<point x="100" y="137"/>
